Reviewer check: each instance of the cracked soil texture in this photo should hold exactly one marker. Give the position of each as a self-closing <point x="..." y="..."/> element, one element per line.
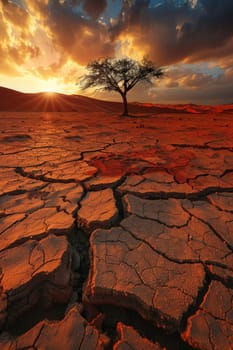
<point x="116" y="233"/>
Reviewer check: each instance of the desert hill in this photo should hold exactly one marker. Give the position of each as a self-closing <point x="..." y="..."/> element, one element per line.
<point x="11" y="100"/>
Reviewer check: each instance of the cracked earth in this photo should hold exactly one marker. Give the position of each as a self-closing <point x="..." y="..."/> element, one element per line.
<point x="116" y="233"/>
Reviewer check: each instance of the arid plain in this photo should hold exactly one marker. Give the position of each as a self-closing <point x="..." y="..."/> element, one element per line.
<point x="116" y="233"/>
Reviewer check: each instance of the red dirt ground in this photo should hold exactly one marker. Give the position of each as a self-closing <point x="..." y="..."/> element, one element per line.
<point x="116" y="232"/>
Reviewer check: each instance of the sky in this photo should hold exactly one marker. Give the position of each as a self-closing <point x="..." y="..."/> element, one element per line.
<point x="46" y="44"/>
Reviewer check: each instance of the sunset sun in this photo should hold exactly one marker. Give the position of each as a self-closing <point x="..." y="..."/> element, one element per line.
<point x="51" y="86"/>
<point x="38" y="57"/>
<point x="49" y="93"/>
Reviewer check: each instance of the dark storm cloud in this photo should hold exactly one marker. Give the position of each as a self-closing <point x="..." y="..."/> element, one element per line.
<point x="49" y="37"/>
<point x="72" y="34"/>
<point x="211" y="32"/>
<point x="167" y="33"/>
<point x="170" y="33"/>
<point x="94" y="8"/>
<point x="80" y="38"/>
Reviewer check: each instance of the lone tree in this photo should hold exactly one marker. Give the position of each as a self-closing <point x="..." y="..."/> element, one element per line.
<point x="119" y="75"/>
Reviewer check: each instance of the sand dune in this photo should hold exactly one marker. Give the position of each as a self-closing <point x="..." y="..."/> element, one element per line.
<point x="11" y="100"/>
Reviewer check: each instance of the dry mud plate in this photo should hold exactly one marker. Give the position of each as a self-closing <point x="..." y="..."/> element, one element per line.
<point x="116" y="233"/>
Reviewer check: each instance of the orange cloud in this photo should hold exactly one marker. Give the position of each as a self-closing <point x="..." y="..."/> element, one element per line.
<point x="171" y="34"/>
<point x="50" y="42"/>
<point x="17" y="45"/>
<point x="79" y="38"/>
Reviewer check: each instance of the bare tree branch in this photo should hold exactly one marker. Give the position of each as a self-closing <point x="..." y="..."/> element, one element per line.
<point x="120" y="75"/>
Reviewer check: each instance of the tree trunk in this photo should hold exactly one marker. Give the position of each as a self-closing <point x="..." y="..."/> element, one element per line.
<point x="125" y="103"/>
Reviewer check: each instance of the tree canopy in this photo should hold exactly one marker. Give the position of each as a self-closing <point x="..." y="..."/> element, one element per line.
<point x="119" y="75"/>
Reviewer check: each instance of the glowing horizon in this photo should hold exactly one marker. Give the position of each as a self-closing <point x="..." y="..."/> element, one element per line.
<point x="46" y="46"/>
